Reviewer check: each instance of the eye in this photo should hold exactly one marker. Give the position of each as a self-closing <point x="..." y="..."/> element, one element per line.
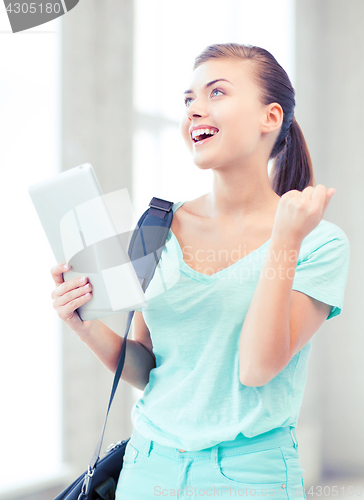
<point x="217" y="90"/>
<point x="188" y="101"/>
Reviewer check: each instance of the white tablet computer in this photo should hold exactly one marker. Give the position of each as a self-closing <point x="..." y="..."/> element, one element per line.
<point x="90" y="232"/>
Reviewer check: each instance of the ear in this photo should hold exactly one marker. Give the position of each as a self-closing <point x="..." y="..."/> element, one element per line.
<point x="272" y="117"/>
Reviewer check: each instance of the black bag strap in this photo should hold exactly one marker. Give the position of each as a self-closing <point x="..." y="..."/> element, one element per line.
<point x="144" y="251"/>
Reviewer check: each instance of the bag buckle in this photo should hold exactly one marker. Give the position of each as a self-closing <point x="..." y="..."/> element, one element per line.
<point x="112" y="446"/>
<point x="164" y="204"/>
<point x="160" y="208"/>
<point x="86" y="483"/>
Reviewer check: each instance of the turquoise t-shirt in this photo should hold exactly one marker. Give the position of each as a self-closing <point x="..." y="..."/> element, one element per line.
<point x="194" y="398"/>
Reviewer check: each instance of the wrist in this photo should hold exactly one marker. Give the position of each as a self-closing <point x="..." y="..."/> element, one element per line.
<point x="291" y="240"/>
<point x="84" y="331"/>
<point x="285" y="249"/>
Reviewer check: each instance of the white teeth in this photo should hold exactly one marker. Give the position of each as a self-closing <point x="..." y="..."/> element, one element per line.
<point x="201" y="131"/>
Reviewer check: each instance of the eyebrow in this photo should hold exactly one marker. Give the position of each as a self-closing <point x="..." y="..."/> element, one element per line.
<point x="208" y="85"/>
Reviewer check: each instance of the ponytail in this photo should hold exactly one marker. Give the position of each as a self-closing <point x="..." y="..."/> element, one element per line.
<point x="292" y="166"/>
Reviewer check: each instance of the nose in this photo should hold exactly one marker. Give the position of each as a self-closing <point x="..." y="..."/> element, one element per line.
<point x="196" y="109"/>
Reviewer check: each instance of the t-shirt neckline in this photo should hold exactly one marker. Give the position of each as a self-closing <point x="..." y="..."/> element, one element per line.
<point x="187" y="270"/>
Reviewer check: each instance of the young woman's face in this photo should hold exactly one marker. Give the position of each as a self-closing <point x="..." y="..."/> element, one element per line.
<point x="223" y="99"/>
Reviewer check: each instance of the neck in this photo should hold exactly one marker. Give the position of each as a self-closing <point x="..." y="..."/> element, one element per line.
<point x="241" y="195"/>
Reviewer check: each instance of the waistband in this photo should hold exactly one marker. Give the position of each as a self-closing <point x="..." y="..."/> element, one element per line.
<point x="281" y="436"/>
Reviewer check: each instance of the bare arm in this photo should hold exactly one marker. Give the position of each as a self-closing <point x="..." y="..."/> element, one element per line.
<point x="104" y="342"/>
<point x="281" y="321"/>
<point x="107" y="344"/>
<point x="265" y="338"/>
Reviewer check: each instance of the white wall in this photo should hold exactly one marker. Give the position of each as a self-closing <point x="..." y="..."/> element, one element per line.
<point x="30" y="418"/>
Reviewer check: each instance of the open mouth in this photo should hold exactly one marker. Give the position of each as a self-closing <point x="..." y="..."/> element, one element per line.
<point x="199" y="135"/>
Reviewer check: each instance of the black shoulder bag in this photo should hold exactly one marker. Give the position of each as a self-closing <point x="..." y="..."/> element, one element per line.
<point x="145" y="249"/>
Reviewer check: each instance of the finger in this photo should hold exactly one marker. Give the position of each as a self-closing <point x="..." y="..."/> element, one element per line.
<point x="291" y="193"/>
<point x="307" y="192"/>
<point x="66" y="311"/>
<point x="72" y="296"/>
<point x="70" y="285"/>
<point x="57" y="273"/>
<point x="74" y="304"/>
<point x="318" y="197"/>
<point x="322" y="198"/>
<point x="329" y="194"/>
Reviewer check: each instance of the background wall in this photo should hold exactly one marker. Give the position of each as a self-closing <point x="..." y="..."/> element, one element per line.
<point x="97" y="116"/>
<point x="329" y="82"/>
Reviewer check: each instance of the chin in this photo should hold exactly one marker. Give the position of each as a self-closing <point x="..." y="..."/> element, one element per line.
<point x="204" y="163"/>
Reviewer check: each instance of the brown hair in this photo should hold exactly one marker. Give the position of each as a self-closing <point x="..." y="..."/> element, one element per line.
<point x="292" y="166"/>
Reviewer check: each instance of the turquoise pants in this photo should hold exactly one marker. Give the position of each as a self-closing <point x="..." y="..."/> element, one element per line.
<point x="267" y="465"/>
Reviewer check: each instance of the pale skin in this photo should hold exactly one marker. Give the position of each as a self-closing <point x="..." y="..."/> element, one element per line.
<point x="104" y="342"/>
<point x="241" y="209"/>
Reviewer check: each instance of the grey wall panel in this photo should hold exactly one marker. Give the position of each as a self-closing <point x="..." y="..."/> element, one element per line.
<point x="329" y="86"/>
<point x="97" y="100"/>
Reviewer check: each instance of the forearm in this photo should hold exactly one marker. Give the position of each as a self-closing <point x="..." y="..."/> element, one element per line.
<point x="264" y="342"/>
<point x="107" y="344"/>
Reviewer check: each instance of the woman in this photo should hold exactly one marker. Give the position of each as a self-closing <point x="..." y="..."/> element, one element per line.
<point x="248" y="274"/>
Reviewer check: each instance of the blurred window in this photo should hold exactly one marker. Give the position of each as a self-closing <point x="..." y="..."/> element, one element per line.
<point x="30" y="354"/>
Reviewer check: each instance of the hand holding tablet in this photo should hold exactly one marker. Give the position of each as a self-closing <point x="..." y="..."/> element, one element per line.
<point x="88" y="230"/>
<point x="68" y="296"/>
